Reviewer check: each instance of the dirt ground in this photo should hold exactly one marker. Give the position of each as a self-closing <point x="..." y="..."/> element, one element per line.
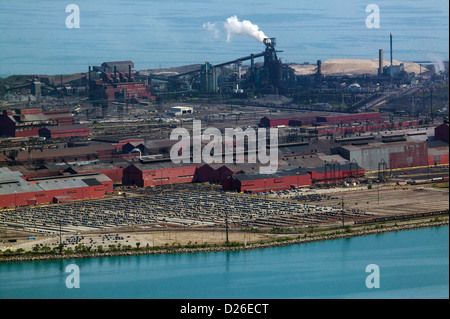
<point x="152" y="238"/>
<point x="395" y="200"/>
<point x="390" y="200"/>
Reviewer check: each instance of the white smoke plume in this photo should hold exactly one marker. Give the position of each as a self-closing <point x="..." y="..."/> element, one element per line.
<point x="212" y="28"/>
<point x="437" y="62"/>
<point x="234" y="26"/>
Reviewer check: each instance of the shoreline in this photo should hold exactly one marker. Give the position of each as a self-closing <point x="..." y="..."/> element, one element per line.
<point x="223" y="248"/>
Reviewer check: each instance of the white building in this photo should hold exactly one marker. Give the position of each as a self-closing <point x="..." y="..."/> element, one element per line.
<point x="181" y="110"/>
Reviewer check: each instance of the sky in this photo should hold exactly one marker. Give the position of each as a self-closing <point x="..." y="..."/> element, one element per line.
<point x="36" y="40"/>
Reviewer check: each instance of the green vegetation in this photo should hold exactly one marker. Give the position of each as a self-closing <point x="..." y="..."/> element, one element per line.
<point x="441" y="185"/>
<point x="306" y="234"/>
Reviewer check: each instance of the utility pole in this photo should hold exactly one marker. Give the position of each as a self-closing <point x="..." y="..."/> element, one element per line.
<point x="226" y="224"/>
<point x="60" y="226"/>
<point x="378" y="188"/>
<point x="265" y="190"/>
<point x="431" y="104"/>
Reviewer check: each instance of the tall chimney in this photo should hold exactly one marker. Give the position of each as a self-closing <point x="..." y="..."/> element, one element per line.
<point x="89" y="81"/>
<point x="115" y="75"/>
<point x="391" y="49"/>
<point x="319" y="68"/>
<point x="380" y="62"/>
<point x="129" y="72"/>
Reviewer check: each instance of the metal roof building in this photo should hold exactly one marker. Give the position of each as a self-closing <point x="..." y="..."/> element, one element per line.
<point x="16" y="191"/>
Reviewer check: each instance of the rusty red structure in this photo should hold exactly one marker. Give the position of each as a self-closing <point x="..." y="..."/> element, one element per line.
<point x="320" y="119"/>
<point x="288" y="179"/>
<point x="16" y="191"/>
<point x="115" y="81"/>
<point x="158" y="173"/>
<point x="441" y="132"/>
<point x="76" y="130"/>
<point x="24" y="123"/>
<point x="350" y="118"/>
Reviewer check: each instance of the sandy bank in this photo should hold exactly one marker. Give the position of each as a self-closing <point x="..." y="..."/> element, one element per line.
<point x="277" y="243"/>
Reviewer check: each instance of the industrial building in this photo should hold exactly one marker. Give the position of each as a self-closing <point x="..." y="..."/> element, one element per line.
<point x="438" y="156"/>
<point x="115" y="81"/>
<point x="293" y="178"/>
<point x="24" y="123"/>
<point x="388" y="154"/>
<point x="65" y="154"/>
<point x="350" y="118"/>
<point x="441" y="132"/>
<point x="309" y="119"/>
<point x="355" y="128"/>
<point x="16" y="191"/>
<point x="158" y="173"/>
<point x="218" y="173"/>
<point x="271" y="76"/>
<point x="296" y="119"/>
<point x="181" y="110"/>
<point x="111" y="168"/>
<point x="258" y="183"/>
<point x="76" y="130"/>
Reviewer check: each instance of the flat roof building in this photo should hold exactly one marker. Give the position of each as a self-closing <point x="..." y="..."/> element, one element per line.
<point x="16" y="191"/>
<point x="389" y="154"/>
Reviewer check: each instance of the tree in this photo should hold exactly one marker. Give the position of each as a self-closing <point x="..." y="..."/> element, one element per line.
<point x="47" y="249"/>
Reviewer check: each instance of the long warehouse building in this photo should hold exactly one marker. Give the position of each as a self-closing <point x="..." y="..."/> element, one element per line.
<point x="16" y="191"/>
<point x="293" y="178"/>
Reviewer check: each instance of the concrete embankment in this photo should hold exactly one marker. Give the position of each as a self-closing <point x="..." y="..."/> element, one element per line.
<point x="275" y="243"/>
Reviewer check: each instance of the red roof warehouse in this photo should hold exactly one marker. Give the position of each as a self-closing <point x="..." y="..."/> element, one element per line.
<point x="441" y="132"/>
<point x="16" y="191"/>
<point x="287" y="179"/>
<point x="64" y="131"/>
<point x="351" y="118"/>
<point x="159" y="173"/>
<point x="297" y="119"/>
<point x="255" y="183"/>
<point x="22" y="123"/>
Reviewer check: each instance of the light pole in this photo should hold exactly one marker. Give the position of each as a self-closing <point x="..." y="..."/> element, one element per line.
<point x="226" y="224"/>
<point x="378" y="188"/>
<point x="265" y="190"/>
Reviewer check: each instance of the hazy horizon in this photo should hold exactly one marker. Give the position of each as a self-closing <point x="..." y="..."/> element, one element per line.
<point x="158" y="34"/>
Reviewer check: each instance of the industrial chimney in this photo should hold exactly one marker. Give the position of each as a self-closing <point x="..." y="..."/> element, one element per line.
<point x="319" y="68"/>
<point x="380" y="63"/>
<point x="391" y="49"/>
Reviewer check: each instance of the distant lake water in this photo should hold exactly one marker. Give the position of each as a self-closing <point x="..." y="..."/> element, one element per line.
<point x="163" y="33"/>
<point x="412" y="264"/>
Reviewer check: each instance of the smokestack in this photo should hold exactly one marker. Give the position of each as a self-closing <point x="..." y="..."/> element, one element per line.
<point x="391" y="49"/>
<point x="129" y="72"/>
<point x="115" y="75"/>
<point x="89" y="80"/>
<point x="380" y="62"/>
<point x="319" y="68"/>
